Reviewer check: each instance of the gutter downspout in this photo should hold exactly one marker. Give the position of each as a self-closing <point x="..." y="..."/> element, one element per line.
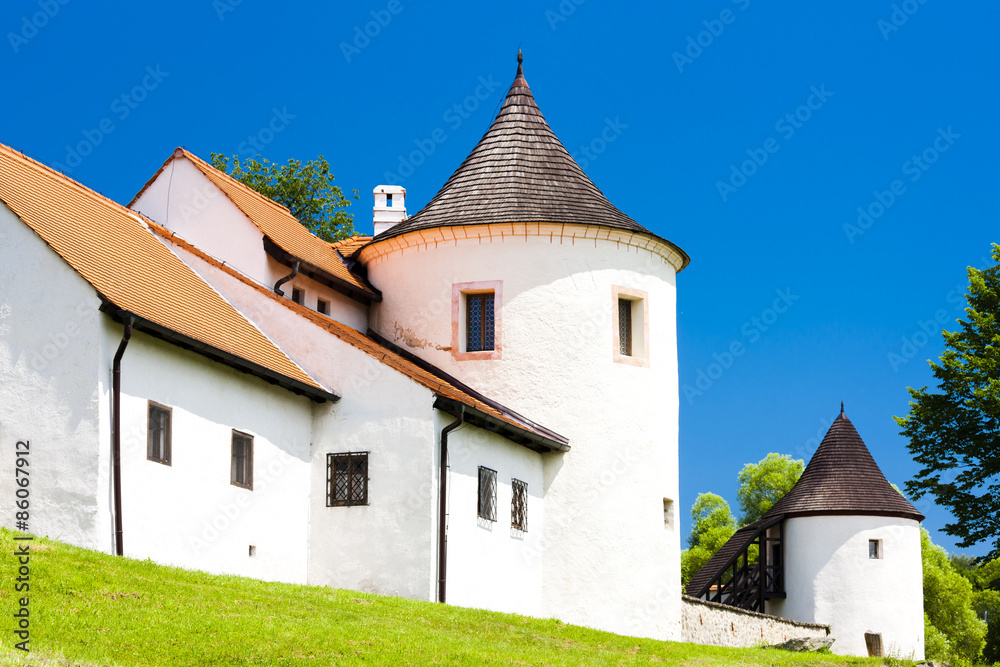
<point x="295" y="272"/>
<point x="443" y="505"/>
<point x="116" y="438"/>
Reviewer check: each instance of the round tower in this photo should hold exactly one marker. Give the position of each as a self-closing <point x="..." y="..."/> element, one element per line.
<point x="851" y="551"/>
<point x="523" y="281"/>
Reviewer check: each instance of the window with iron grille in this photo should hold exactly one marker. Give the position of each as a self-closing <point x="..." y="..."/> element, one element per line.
<point x="322" y="307"/>
<point x="480" y="321"/>
<point x="519" y="504"/>
<point x="347" y="479"/>
<point x="625" y="326"/>
<point x="487" y="494"/>
<point x="241" y="471"/>
<point x="158" y="434"/>
<point x="298" y="296"/>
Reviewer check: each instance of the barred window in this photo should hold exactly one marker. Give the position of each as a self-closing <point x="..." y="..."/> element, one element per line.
<point x="487" y="494"/>
<point x="241" y="470"/>
<point x="347" y="479"/>
<point x="625" y="327"/>
<point x="158" y="434"/>
<point x="480" y="322"/>
<point x="298" y="296"/>
<point x="519" y="504"/>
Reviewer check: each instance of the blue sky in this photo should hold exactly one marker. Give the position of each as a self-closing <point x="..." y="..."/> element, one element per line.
<point x="749" y="133"/>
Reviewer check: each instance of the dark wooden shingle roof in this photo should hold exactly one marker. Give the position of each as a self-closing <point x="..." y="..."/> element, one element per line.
<point x="519" y="172"/>
<point x="843" y="478"/>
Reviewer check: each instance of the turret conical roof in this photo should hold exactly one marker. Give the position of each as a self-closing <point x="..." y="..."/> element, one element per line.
<point x="519" y="172"/>
<point x="843" y="478"/>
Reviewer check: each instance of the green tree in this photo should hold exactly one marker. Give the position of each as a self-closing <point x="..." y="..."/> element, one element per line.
<point x="955" y="434"/>
<point x="764" y="483"/>
<point x="952" y="629"/>
<point x="306" y="190"/>
<point x="713" y="526"/>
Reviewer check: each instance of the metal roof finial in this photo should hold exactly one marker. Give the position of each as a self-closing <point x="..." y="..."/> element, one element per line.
<point x="841" y="407"/>
<point x="520" y="59"/>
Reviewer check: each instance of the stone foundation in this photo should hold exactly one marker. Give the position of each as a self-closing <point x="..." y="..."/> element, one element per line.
<point x="721" y="625"/>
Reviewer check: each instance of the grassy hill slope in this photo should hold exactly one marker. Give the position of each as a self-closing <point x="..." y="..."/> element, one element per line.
<point x="95" y="609"/>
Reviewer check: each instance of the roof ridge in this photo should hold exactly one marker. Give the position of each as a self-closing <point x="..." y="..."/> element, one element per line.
<point x="204" y="166"/>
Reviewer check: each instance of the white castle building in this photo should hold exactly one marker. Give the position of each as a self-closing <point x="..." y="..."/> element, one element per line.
<point x="479" y="405"/>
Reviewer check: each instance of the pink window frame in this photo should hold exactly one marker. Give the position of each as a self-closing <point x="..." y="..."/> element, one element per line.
<point x="458" y="312"/>
<point x="635" y="295"/>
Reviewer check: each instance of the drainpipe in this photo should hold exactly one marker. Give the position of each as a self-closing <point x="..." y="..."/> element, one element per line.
<point x="443" y="505"/>
<point x="116" y="438"/>
<point x="295" y="272"/>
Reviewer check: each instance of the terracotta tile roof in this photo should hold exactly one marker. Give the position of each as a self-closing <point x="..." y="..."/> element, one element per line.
<point x="110" y="247"/>
<point x="843" y="478"/>
<point x="426" y="377"/>
<point x="347" y="247"/>
<point x="519" y="172"/>
<point x="279" y="225"/>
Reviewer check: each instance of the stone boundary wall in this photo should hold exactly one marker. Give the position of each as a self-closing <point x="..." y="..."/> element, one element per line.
<point x="721" y="625"/>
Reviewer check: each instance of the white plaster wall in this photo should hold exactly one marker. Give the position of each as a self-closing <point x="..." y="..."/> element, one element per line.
<point x="830" y="579"/>
<point x="189" y="514"/>
<point x="388" y="546"/>
<point x="610" y="562"/>
<point x="490" y="564"/>
<point x="185" y="201"/>
<point x="49" y="340"/>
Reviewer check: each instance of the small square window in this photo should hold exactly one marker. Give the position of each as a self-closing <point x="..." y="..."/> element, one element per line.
<point x="875" y="549"/>
<point x="158" y="434"/>
<point x="297" y="295"/>
<point x="347" y="479"/>
<point x="519" y="504"/>
<point x="487" y="494"/>
<point x="241" y="471"/>
<point x="322" y="307"/>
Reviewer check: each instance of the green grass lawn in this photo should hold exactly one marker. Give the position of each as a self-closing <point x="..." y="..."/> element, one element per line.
<point x="88" y="608"/>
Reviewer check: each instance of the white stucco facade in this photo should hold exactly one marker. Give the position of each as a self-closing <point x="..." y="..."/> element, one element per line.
<point x="188" y="513"/>
<point x="605" y="499"/>
<point x="830" y="579"/>
<point x="49" y="396"/>
<point x="491" y="564"/>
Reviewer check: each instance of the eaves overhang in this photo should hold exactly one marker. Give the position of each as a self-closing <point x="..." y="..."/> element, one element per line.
<point x="140" y="323"/>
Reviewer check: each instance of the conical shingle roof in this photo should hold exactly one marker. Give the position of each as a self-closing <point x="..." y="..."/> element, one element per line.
<point x="519" y="172"/>
<point x="843" y="478"/>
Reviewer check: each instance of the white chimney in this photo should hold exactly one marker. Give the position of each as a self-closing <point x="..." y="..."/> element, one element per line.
<point x="390" y="207"/>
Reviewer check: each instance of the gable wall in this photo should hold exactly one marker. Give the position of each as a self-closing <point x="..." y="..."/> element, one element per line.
<point x="49" y="394"/>
<point x="185" y="201"/>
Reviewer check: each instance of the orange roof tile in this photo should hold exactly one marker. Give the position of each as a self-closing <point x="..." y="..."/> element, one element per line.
<point x="110" y="247"/>
<point x="362" y="342"/>
<point x="278" y="224"/>
<point x="349" y="246"/>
